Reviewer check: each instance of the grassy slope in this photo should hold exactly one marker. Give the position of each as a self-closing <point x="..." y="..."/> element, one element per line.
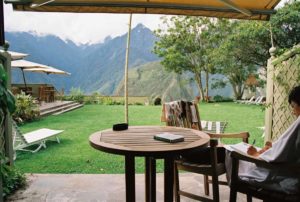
<point x="144" y="80"/>
<point x="75" y="155"/>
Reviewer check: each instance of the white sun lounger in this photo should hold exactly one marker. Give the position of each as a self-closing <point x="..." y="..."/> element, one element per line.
<point x="37" y="137"/>
<point x="246" y="101"/>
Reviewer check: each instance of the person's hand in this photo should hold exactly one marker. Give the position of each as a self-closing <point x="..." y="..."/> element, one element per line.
<point x="267" y="146"/>
<point x="252" y="151"/>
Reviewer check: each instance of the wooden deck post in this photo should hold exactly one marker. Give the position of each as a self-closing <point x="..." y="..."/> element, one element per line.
<point x="269" y="96"/>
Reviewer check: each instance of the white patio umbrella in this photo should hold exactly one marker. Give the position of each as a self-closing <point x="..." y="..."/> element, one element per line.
<point x="33" y="66"/>
<point x="48" y="70"/>
<point x="24" y="64"/>
<point x="16" y="55"/>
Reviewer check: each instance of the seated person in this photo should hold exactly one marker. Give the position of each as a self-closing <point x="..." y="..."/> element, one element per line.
<point x="285" y="149"/>
<point x="294" y="101"/>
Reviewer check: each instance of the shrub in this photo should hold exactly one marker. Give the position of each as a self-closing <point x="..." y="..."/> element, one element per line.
<point x="26" y="108"/>
<point x="219" y="98"/>
<point x="120" y="102"/>
<point x="106" y="100"/>
<point x="12" y="178"/>
<point x="227" y="99"/>
<point x="66" y="98"/>
<point x="76" y="95"/>
<point x="138" y="103"/>
<point x="93" y="99"/>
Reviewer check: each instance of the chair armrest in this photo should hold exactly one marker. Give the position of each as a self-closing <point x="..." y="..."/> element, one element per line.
<point x="243" y="135"/>
<point x="293" y="167"/>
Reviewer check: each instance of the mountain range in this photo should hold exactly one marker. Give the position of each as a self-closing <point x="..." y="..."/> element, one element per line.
<point x="100" y="67"/>
<point x="97" y="67"/>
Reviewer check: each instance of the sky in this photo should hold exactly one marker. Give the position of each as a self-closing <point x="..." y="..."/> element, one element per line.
<point x="81" y="28"/>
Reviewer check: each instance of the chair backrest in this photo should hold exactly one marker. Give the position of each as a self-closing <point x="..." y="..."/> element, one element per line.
<point x="186" y="114"/>
<point x="181" y="114"/>
<point x="18" y="137"/>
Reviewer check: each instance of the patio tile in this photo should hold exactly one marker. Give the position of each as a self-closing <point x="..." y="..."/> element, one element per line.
<point x="101" y="188"/>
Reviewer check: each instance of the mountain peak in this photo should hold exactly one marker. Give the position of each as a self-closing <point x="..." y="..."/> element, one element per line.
<point x="140" y="27"/>
<point x="108" y="38"/>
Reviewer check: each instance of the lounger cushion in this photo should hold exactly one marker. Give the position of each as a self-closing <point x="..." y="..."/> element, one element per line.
<point x="41" y="134"/>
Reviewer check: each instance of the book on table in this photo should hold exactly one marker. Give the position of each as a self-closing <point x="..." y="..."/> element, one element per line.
<point x="169" y="137"/>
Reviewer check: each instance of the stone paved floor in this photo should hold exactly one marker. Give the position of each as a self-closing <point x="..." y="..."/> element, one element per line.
<point x="100" y="188"/>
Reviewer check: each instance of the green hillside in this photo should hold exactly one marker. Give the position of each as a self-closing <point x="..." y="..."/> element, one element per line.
<point x="153" y="81"/>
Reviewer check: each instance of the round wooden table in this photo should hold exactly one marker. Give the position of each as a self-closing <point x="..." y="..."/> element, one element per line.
<point x="139" y="141"/>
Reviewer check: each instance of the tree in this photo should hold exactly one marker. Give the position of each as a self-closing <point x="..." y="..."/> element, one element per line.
<point x="246" y="48"/>
<point x="230" y="58"/>
<point x="213" y="35"/>
<point x="253" y="38"/>
<point x="251" y="41"/>
<point x="184" y="46"/>
<point x="286" y="25"/>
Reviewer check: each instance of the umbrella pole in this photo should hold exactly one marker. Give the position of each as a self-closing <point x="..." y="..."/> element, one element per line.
<point x="24" y="78"/>
<point x="126" y="70"/>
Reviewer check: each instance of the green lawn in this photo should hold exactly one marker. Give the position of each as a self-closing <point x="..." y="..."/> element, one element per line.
<point x="75" y="155"/>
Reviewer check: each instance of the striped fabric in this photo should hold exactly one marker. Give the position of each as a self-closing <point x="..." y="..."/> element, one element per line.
<point x="217" y="127"/>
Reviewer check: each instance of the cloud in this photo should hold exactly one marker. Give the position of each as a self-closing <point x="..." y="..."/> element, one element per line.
<point x="78" y="27"/>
